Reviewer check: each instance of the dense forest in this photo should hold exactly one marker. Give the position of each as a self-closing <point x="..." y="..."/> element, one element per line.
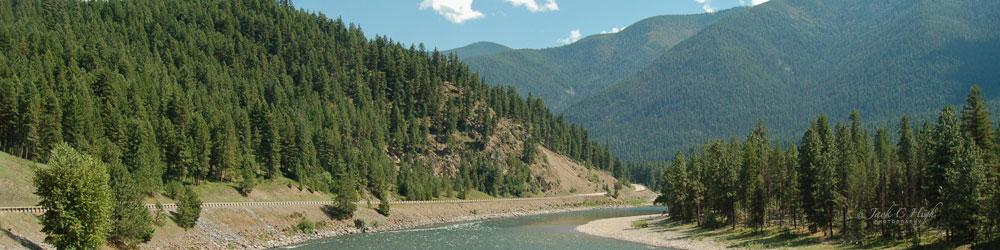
<point x="565" y="75"/>
<point x="182" y="92"/>
<point x="787" y="59"/>
<point x="848" y="183"/>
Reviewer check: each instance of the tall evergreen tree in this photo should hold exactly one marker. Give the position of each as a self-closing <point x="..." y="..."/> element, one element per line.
<point x="976" y="121"/>
<point x="131" y="223"/>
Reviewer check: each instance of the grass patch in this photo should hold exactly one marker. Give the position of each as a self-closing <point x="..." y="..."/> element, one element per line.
<point x="776" y="237"/>
<point x="635" y="201"/>
<point x="16" y="175"/>
<point x="640" y="224"/>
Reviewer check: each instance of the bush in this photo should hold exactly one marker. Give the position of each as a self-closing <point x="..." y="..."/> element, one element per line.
<point x="79" y="200"/>
<point x="383" y="207"/>
<point x="173" y="189"/>
<point x="306" y="227"/>
<point x="160" y="217"/>
<point x="640" y="224"/>
<point x="361" y="223"/>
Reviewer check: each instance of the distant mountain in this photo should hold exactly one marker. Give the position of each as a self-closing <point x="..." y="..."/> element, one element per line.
<point x="478" y="49"/>
<point x="563" y="75"/>
<point x="789" y="59"/>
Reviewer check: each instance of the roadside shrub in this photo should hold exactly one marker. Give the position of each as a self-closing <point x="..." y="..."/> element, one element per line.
<point x="640" y="224"/>
<point x="306" y="227"/>
<point x="383" y="207"/>
<point x="361" y="223"/>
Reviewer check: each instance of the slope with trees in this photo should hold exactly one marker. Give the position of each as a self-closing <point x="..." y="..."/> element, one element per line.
<point x="183" y="93"/>
<point x="787" y="59"/>
<point x="566" y="74"/>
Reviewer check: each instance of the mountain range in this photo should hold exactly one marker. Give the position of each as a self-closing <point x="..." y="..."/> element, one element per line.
<point x="776" y="62"/>
<point x="564" y="75"/>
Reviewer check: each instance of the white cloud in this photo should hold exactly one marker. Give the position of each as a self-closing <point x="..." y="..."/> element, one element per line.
<point x="706" y="5"/>
<point x="456" y="11"/>
<point x="533" y="6"/>
<point x="574" y="36"/>
<point x="613" y="30"/>
<point x="753" y="2"/>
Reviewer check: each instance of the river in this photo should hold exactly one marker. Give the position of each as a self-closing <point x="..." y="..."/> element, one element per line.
<point x="548" y="231"/>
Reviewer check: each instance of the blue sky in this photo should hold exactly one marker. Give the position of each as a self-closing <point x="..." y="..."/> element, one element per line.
<point x="448" y="24"/>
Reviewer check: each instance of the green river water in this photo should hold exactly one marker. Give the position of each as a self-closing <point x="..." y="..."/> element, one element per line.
<point x="549" y="231"/>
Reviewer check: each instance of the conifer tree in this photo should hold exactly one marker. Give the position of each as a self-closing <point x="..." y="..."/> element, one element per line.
<point x="131" y="223"/>
<point x="188" y="208"/>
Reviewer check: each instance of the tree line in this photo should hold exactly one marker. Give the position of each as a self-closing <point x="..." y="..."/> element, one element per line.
<point x="243" y="91"/>
<point x="847" y="182"/>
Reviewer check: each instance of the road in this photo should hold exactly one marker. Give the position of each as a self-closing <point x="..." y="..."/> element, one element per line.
<point x="37" y="209"/>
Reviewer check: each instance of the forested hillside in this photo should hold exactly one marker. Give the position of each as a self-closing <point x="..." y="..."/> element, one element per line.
<point x="564" y="75"/>
<point x="478" y="49"/>
<point x="788" y="59"/>
<point x="236" y="91"/>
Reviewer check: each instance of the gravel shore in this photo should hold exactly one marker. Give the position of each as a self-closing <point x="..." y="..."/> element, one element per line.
<point x="621" y="228"/>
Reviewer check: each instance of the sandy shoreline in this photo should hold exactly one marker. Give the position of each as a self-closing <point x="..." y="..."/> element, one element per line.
<point x="621" y="228"/>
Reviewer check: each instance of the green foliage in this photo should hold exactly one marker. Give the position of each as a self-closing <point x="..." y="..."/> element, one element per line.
<point x="248" y="174"/>
<point x="130" y="219"/>
<point x="75" y="191"/>
<point x="306" y="226"/>
<point x="188" y="208"/>
<point x="847" y="183"/>
<point x="187" y="91"/>
<point x="383" y="207"/>
<point x="640" y="224"/>
<point x="160" y="217"/>
<point x="173" y="190"/>
<point x="344" y="206"/>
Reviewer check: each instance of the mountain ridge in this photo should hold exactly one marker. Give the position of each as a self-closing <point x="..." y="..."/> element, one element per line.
<point x="793" y="58"/>
<point x="563" y="75"/>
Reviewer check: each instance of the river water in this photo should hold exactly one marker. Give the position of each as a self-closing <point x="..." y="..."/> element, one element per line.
<point x="549" y="231"/>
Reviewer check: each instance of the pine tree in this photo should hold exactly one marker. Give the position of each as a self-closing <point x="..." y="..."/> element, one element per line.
<point x="946" y="141"/>
<point x="30" y="122"/>
<point x="51" y="119"/>
<point x="346" y="196"/>
<point x="976" y="121"/>
<point x="9" y="114"/>
<point x="188" y="208"/>
<point x="131" y="222"/>
<point x="809" y="162"/>
<point x="963" y="194"/>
